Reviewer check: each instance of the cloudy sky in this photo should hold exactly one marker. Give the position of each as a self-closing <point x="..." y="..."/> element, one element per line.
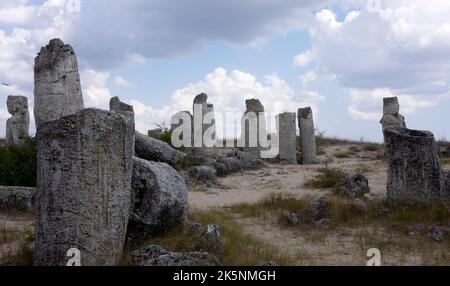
<point x="341" y="57"/>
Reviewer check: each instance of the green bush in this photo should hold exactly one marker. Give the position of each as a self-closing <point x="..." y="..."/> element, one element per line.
<point x="18" y="164"/>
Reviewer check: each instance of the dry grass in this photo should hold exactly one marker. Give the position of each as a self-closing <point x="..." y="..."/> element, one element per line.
<point x="327" y="178"/>
<point x="445" y="161"/>
<point x="24" y="254"/>
<point x="235" y="242"/>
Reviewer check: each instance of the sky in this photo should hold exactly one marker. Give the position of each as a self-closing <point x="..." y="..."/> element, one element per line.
<point x="341" y="57"/>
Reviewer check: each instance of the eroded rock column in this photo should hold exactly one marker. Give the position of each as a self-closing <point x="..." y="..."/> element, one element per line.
<point x="253" y="127"/>
<point x="84" y="164"/>
<point x="287" y="137"/>
<point x="18" y="125"/>
<point x="414" y="171"/>
<point x="57" y="89"/>
<point x="203" y="122"/>
<point x="307" y="136"/>
<point x="391" y="116"/>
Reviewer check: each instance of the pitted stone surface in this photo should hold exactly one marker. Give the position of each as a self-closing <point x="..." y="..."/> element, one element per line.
<point x="287" y="137"/>
<point x="18" y="125"/>
<point x="57" y="88"/>
<point x="307" y="136"/>
<point x="152" y="149"/>
<point x="253" y="128"/>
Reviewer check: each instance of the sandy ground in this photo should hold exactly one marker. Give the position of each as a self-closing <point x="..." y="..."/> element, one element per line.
<point x="252" y="186"/>
<point x="14" y="225"/>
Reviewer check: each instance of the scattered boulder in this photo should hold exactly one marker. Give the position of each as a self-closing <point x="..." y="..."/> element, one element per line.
<point x="318" y="207"/>
<point x="438" y="233"/>
<point x="16" y="198"/>
<point x="391" y="117"/>
<point x="248" y="160"/>
<point x="353" y="186"/>
<point x="84" y="172"/>
<point x="203" y="174"/>
<point x="158" y="198"/>
<point x="57" y="88"/>
<point x="221" y="169"/>
<point x="231" y="164"/>
<point x="152" y="149"/>
<point x="154" y="255"/>
<point x="17" y="126"/>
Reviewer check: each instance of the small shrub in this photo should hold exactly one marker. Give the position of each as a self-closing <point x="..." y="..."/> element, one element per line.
<point x="18" y="164"/>
<point x="328" y="178"/>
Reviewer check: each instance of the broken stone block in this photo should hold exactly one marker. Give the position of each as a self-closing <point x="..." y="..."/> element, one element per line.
<point x="18" y="125"/>
<point x="158" y="200"/>
<point x="253" y="127"/>
<point x="152" y="149"/>
<point x="84" y="171"/>
<point x="57" y="88"/>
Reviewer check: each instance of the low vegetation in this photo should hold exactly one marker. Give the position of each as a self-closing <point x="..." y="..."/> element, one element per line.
<point x="18" y="164"/>
<point x="327" y="178"/>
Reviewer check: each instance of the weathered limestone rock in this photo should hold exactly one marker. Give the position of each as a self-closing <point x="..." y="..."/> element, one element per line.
<point x="318" y="207"/>
<point x="248" y="160"/>
<point x="353" y="186"/>
<point x="155" y="255"/>
<point x="17" y="126"/>
<point x="152" y="149"/>
<point x="183" y="118"/>
<point x="84" y="166"/>
<point x="287" y="137"/>
<point x="203" y="174"/>
<point x="122" y="108"/>
<point x="414" y="171"/>
<point x="391" y="116"/>
<point x="158" y="200"/>
<point x="253" y="128"/>
<point x="307" y="136"/>
<point x="203" y="111"/>
<point x="16" y="198"/>
<point x="57" y="89"/>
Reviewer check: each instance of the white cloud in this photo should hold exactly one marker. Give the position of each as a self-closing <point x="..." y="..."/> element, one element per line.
<point x="398" y="50"/>
<point x="95" y="88"/>
<point x="120" y="81"/>
<point x="308" y="77"/>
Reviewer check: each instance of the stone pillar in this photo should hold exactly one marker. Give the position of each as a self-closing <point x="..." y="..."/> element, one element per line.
<point x="307" y="136"/>
<point x="185" y="119"/>
<point x="203" y="110"/>
<point x="57" y="89"/>
<point x="17" y="126"/>
<point x="84" y="171"/>
<point x="414" y="171"/>
<point x="252" y="124"/>
<point x="287" y="137"/>
<point x="391" y="116"/>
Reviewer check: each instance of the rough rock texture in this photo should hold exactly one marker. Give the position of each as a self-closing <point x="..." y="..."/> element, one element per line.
<point x="16" y="198"/>
<point x="249" y="160"/>
<point x="152" y="149"/>
<point x="353" y="186"/>
<point x="307" y="136"/>
<point x="318" y="207"/>
<point x="122" y="108"/>
<point x="251" y="125"/>
<point x="154" y="255"/>
<point x="84" y="171"/>
<point x="158" y="198"/>
<point x="287" y="137"/>
<point x="231" y="164"/>
<point x="183" y="118"/>
<point x="57" y="89"/>
<point x="391" y="116"/>
<point x="201" y="109"/>
<point x="17" y="126"/>
<point x="438" y="233"/>
<point x="203" y="174"/>
<point x="414" y="172"/>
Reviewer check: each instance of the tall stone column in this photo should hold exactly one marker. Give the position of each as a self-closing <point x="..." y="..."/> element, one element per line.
<point x="414" y="171"/>
<point x="307" y="136"/>
<point x="287" y="137"/>
<point x="185" y="136"/>
<point x="391" y="116"/>
<point x="57" y="89"/>
<point x="18" y="125"/>
<point x="84" y="171"/>
<point x="253" y="127"/>
<point x="203" y="111"/>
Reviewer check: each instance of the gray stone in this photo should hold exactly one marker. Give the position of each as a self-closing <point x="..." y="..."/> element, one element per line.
<point x="391" y="116"/>
<point x="249" y="160"/>
<point x="231" y="164"/>
<point x="251" y="127"/>
<point x="307" y="136"/>
<point x="17" y="126"/>
<point x="122" y="108"/>
<point x="293" y="218"/>
<point x="180" y="119"/>
<point x="84" y="171"/>
<point x="287" y="137"/>
<point x="57" y="88"/>
<point x="209" y="237"/>
<point x="158" y="199"/>
<point x="152" y="149"/>
<point x="154" y="255"/>
<point x="438" y="233"/>
<point x="318" y="207"/>
<point x="414" y="172"/>
<point x="203" y="174"/>
<point x="201" y="109"/>
<point x="222" y="170"/>
<point x="353" y="186"/>
<point x="16" y="198"/>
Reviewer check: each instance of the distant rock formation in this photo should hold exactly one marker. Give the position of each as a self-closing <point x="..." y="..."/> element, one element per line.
<point x="18" y="125"/>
